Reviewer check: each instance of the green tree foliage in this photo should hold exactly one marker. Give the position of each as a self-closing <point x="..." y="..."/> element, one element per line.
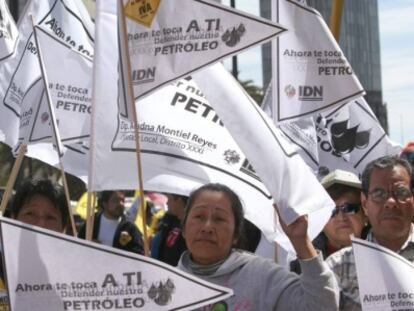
<point x="253" y="90"/>
<point x="32" y="168"/>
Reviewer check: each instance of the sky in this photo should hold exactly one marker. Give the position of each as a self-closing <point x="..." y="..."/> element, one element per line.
<point x="396" y="23"/>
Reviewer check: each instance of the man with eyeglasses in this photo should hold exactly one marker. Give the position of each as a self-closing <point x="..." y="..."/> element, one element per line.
<point x="387" y="201"/>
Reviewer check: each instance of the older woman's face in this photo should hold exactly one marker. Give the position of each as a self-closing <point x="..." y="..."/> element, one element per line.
<point x="340" y="227"/>
<point x="209" y="229"/>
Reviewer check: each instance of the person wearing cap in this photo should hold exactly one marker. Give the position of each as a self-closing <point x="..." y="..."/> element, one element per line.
<point x="347" y="218"/>
<point x="387" y="200"/>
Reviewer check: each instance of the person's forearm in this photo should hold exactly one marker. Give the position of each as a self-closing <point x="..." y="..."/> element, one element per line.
<point x="304" y="248"/>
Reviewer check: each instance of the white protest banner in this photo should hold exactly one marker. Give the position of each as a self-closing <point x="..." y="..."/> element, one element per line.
<point x="183" y="142"/>
<point x="385" y="278"/>
<point x="66" y="20"/>
<point x="47" y="271"/>
<point x="8" y="32"/>
<point x="310" y="71"/>
<point x="69" y="78"/>
<point x="295" y="189"/>
<point x="171" y="39"/>
<point x="52" y="123"/>
<point x="347" y="138"/>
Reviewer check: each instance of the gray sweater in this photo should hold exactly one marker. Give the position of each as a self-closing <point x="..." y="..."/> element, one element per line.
<point x="259" y="284"/>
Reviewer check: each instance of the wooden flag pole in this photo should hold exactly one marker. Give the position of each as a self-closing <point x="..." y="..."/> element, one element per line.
<point x="66" y="188"/>
<point x="53" y="125"/>
<point x="336" y="17"/>
<point x="90" y="216"/>
<point x="121" y="15"/>
<point x="274" y="8"/>
<point x="91" y="201"/>
<point x="12" y="179"/>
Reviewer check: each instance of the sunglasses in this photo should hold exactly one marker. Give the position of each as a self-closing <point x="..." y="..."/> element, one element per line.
<point x="347" y="208"/>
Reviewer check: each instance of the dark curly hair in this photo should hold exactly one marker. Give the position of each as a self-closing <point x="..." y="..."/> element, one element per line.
<point x="44" y="187"/>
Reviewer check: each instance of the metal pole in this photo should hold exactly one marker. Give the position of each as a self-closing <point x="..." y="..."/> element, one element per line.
<point x="235" y="66"/>
<point x="336" y="16"/>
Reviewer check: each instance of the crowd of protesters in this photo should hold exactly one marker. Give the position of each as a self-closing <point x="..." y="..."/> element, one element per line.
<point x="207" y="235"/>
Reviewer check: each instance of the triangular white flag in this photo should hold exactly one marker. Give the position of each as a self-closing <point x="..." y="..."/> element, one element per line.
<point x="292" y="184"/>
<point x="8" y="33"/>
<point x="347" y="138"/>
<point x="47" y="271"/>
<point x="183" y="143"/>
<point x="311" y="72"/>
<point x="171" y="39"/>
<point x="67" y="20"/>
<point x="385" y="278"/>
<point x="69" y="78"/>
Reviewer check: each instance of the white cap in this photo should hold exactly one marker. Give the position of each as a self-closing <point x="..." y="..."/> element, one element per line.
<point x="341" y="177"/>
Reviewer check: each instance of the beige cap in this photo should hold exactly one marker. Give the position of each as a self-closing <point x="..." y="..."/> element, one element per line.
<point x="341" y="177"/>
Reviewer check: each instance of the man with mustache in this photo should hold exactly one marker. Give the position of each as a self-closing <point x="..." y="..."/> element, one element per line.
<point x="387" y="201"/>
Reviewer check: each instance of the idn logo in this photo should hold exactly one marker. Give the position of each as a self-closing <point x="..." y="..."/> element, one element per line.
<point x="310" y="93"/>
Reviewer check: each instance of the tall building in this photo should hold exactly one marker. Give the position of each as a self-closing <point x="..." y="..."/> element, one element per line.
<point x="16" y="7"/>
<point x="359" y="40"/>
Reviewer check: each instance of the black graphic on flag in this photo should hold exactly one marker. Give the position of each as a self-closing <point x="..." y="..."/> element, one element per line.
<point x="232" y="37"/>
<point x="162" y="293"/>
<point x="344" y="140"/>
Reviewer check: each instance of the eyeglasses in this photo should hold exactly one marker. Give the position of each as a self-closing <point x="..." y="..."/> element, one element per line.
<point x="400" y="194"/>
<point x="347" y="208"/>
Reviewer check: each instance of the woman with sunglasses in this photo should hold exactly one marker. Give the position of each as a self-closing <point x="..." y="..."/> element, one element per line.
<point x="347" y="218"/>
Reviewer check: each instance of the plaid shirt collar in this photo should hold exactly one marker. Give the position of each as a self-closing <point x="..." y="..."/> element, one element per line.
<point x="407" y="243"/>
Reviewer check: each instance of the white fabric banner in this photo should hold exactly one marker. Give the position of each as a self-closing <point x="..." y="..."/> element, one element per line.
<point x="171" y="39"/>
<point x="67" y="20"/>
<point x="347" y="138"/>
<point x="70" y="88"/>
<point x="292" y="184"/>
<point x="183" y="143"/>
<point x="8" y="32"/>
<point x="46" y="271"/>
<point x="310" y="69"/>
<point x="385" y="278"/>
